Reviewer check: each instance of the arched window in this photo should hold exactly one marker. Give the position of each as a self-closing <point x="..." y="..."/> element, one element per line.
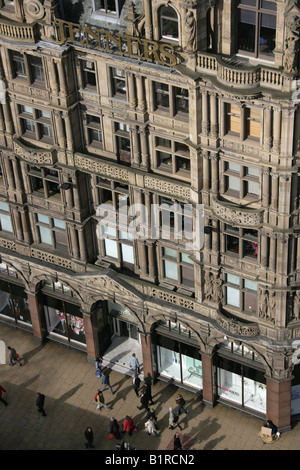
<point x="168" y="23"/>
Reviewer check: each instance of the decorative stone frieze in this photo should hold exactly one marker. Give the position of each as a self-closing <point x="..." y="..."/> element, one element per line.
<point x="235" y="327"/>
<point x="236" y="215"/>
<point x="34" y="155"/>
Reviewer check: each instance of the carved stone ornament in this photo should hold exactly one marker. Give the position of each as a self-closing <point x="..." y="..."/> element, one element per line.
<point x="190" y="3"/>
<point x="34" y="10"/>
<point x="291" y="53"/>
<point x="235" y="327"/>
<point x="31" y="155"/>
<point x="238" y="216"/>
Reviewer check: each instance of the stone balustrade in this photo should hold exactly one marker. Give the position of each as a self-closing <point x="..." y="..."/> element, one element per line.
<point x="238" y="75"/>
<point x="18" y="32"/>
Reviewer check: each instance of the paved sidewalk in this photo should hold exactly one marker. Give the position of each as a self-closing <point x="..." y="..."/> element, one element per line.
<point x="69" y="383"/>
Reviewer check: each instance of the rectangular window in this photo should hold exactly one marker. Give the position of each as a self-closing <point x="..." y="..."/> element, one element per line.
<point x="253" y="117"/>
<point x="119" y="245"/>
<point x="243" y="242"/>
<point x="44" y="182"/>
<point x="119" y="82"/>
<point x="52" y="232"/>
<point x="94" y="131"/>
<point x="241" y="181"/>
<point x="177" y="268"/>
<point x="35" y="123"/>
<point x="171" y="100"/>
<point x="107" y="7"/>
<point x="233" y="119"/>
<point x="5" y="220"/>
<point x="122" y="135"/>
<point x="18" y="64"/>
<point x="241" y="293"/>
<point x="36" y="68"/>
<point x="89" y="74"/>
<point x="172" y="157"/>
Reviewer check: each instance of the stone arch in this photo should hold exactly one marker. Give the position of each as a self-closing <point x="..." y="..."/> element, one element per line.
<point x="37" y="279"/>
<point x="20" y="273"/>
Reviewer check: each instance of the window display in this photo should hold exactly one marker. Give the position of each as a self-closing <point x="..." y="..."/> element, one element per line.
<point x="242" y="385"/>
<point x="14" y="303"/>
<point x="64" y="320"/>
<point x="179" y="361"/>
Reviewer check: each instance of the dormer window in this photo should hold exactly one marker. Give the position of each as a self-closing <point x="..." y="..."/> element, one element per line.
<point x="108" y="7"/>
<point x="168" y="23"/>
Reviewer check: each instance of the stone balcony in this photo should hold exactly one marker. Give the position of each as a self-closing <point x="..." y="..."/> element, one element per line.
<point x="18" y="32"/>
<point x="240" y="75"/>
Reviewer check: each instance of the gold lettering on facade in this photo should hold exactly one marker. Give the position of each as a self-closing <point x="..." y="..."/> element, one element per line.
<point x="139" y="48"/>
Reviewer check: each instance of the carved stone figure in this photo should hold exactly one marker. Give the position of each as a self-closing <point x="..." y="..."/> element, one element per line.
<point x="290" y="64"/>
<point x="190" y="29"/>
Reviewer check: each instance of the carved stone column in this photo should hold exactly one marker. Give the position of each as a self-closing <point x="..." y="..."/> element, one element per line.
<point x="131" y="91"/>
<point x="277" y="130"/>
<point x="208" y="380"/>
<point x="144" y="148"/>
<point x="279" y="402"/>
<point x="148" y="19"/>
<point x="135" y="146"/>
<point x="37" y="315"/>
<point x="140" y="89"/>
<point x="268" y="128"/>
<point x="205" y="114"/>
<point x="62" y="77"/>
<point x="214" y="128"/>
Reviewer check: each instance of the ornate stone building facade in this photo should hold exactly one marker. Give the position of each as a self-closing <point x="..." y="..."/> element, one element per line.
<point x="165" y="105"/>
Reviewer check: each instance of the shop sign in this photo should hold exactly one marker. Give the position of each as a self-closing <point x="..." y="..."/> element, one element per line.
<point x="94" y="38"/>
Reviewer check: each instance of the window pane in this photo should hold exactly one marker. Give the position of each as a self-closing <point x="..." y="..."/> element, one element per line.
<point x="246" y="33"/>
<point x="233" y="166"/>
<point x="45" y="235"/>
<point x="43" y="218"/>
<point x="252" y="285"/>
<point x="6" y="223"/>
<point x="267" y="34"/>
<point x="111" y="248"/>
<point x="233" y="279"/>
<point x="233" y="183"/>
<point x="233" y="296"/>
<point x="59" y="223"/>
<point x="170" y="252"/>
<point x="127" y="254"/>
<point x="171" y="270"/>
<point x="4" y="206"/>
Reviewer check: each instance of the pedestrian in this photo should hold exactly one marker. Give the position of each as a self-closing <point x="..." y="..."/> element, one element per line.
<point x="148" y="384"/>
<point x="105" y="382"/>
<point x="144" y="402"/>
<point x="147" y="392"/>
<point x="136" y="382"/>
<point x="177" y="442"/>
<point x="13" y="356"/>
<point x="114" y="428"/>
<point x="134" y="364"/>
<point x="150" y="427"/>
<point x="180" y="402"/>
<point x="98" y="362"/>
<point x="99" y="399"/>
<point x="128" y="425"/>
<point x="2" y="399"/>
<point x="40" y="401"/>
<point x="151" y="414"/>
<point x="173" y="420"/>
<point x="89" y="435"/>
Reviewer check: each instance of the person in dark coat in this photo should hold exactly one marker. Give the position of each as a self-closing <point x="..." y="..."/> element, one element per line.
<point x="177" y="443"/>
<point x="136" y="382"/>
<point x="2" y="399"/>
<point x="89" y="435"/>
<point x="144" y="402"/>
<point x="105" y="382"/>
<point x="40" y="401"/>
<point x="114" y="428"/>
<point x="147" y="388"/>
<point x="13" y="356"/>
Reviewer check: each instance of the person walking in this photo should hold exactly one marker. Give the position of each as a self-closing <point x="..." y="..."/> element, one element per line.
<point x="99" y="399"/>
<point x="180" y="401"/>
<point x="2" y="399"/>
<point x="13" y="356"/>
<point x="147" y="385"/>
<point x="114" y="428"/>
<point x="40" y="401"/>
<point x="173" y="420"/>
<point x="134" y="364"/>
<point x="89" y="435"/>
<point x="177" y="442"/>
<point x="128" y="425"/>
<point x="105" y="382"/>
<point x="136" y="382"/>
<point x="144" y="402"/>
<point x="98" y="362"/>
<point x="150" y="427"/>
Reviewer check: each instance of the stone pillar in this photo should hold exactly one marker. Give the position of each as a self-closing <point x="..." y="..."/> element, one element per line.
<point x="208" y="380"/>
<point x="279" y="402"/>
<point x="91" y="345"/>
<point x="213" y="115"/>
<point x="205" y="114"/>
<point x="144" y="148"/>
<point x="62" y="78"/>
<point x="277" y="130"/>
<point x="131" y="91"/>
<point x="268" y="128"/>
<point x="148" y="19"/>
<point x="147" y="355"/>
<point x="135" y="146"/>
<point x="37" y="316"/>
<point x="140" y="90"/>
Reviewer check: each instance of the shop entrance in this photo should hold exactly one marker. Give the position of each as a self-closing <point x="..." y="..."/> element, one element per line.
<point x="124" y="328"/>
